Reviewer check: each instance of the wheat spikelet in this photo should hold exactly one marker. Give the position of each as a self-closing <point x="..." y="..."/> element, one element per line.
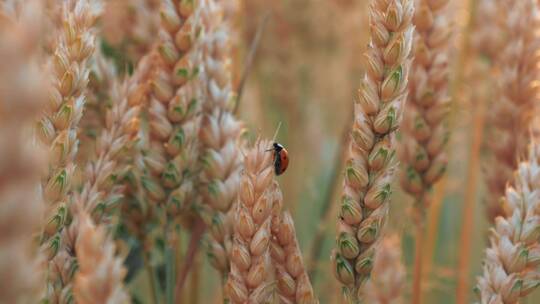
<point x="425" y="133"/>
<point x="102" y="78"/>
<point x="509" y="271"/>
<point x="249" y="280"/>
<point x="22" y="92"/>
<point x="131" y="26"/>
<point x="220" y="138"/>
<point x="510" y="114"/>
<point x="99" y="278"/>
<point x="293" y="285"/>
<point x="369" y="167"/>
<point x="387" y="283"/>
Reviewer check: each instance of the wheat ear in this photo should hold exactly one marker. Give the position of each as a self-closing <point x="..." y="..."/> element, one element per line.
<point x="293" y="284"/>
<point x="173" y="94"/>
<point x="425" y="133"/>
<point x="509" y="271"/>
<point x="251" y="272"/>
<point x="100" y="276"/>
<point x="369" y="167"/>
<point x="510" y="114"/>
<point x="22" y="92"/>
<point x="58" y="127"/>
<point x="387" y="283"/>
<point x="220" y="138"/>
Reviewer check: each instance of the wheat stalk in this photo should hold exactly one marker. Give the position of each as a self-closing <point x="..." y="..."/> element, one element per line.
<point x="99" y="278"/>
<point x="516" y="85"/>
<point x="369" y="168"/>
<point x="220" y="138"/>
<point x="293" y="284"/>
<point x="250" y="276"/>
<point x="387" y="283"/>
<point x="509" y="271"/>
<point x="22" y="92"/>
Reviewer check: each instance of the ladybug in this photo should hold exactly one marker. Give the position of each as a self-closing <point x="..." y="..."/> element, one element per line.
<point x="281" y="158"/>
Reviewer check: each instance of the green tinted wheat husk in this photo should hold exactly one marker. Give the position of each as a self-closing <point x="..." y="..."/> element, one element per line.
<point x="370" y="164"/>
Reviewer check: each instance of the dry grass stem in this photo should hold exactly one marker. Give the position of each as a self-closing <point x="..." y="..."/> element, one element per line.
<point x="22" y="97"/>
<point x="250" y="279"/>
<point x="516" y="67"/>
<point x="371" y="161"/>
<point x="387" y="283"/>
<point x="509" y="271"/>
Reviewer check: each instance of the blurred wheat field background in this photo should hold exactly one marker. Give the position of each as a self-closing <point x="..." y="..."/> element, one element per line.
<point x="136" y="159"/>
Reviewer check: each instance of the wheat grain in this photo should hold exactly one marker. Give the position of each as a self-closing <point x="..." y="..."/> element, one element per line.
<point x="509" y="271"/>
<point x="250" y="278"/>
<point x="369" y="168"/>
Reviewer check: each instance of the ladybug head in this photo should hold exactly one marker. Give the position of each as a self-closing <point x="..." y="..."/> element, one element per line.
<point x="277" y="147"/>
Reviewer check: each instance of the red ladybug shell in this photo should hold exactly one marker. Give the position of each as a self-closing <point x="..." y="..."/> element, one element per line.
<point x="281" y="158"/>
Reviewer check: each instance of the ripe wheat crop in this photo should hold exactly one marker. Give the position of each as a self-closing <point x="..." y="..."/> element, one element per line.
<point x="236" y="151"/>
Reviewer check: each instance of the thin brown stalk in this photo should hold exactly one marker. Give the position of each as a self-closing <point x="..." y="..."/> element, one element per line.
<point x="370" y="164"/>
<point x="193" y="246"/>
<point x="151" y="277"/>
<point x="195" y="280"/>
<point x="418" y="259"/>
<point x="469" y="202"/>
<point x="432" y="229"/>
<point x="248" y="64"/>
